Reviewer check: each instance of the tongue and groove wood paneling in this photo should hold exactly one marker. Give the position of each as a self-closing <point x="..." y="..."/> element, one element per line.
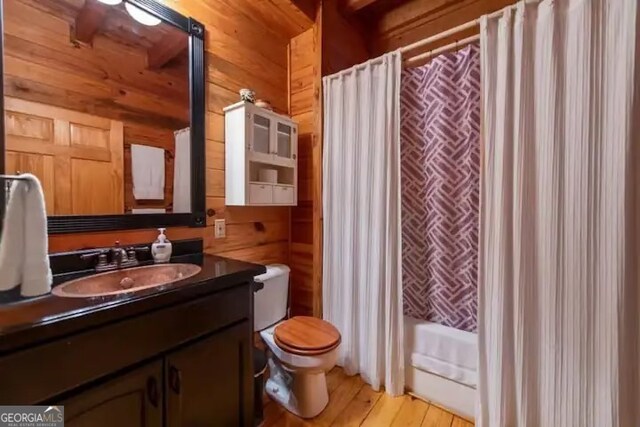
<point x="413" y="20"/>
<point x="304" y="83"/>
<point x="243" y="49"/>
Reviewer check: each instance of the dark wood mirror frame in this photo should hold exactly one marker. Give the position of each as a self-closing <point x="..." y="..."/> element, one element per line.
<point x="86" y="223"/>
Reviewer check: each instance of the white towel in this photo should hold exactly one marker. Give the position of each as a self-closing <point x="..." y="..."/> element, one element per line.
<point x="147" y="169"/>
<point x="182" y="172"/>
<point x="24" y="257"/>
<point x="12" y="239"/>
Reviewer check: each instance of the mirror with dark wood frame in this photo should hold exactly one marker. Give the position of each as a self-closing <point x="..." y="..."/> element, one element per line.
<point x="104" y="103"/>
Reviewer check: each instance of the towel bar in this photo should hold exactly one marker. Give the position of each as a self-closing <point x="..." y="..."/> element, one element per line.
<point x="7" y="187"/>
<point x="13" y="177"/>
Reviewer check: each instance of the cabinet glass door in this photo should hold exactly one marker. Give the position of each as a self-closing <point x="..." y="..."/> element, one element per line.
<point x="284" y="141"/>
<point x="261" y="134"/>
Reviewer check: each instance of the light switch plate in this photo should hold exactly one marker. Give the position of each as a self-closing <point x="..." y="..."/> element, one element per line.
<point x="220" y="228"/>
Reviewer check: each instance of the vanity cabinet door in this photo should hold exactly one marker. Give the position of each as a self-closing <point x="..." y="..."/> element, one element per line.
<point x="210" y="382"/>
<point x="133" y="399"/>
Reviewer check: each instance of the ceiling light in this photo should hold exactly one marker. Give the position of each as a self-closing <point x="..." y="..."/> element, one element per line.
<point x="145" y="18"/>
<point x="110" y="2"/>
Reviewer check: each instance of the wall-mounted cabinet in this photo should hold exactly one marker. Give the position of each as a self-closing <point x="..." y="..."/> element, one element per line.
<point x="261" y="157"/>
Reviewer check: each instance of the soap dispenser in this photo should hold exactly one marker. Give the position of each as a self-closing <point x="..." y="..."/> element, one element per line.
<point x="161" y="248"/>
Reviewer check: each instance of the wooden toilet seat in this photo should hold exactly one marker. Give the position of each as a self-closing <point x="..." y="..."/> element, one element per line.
<point x="306" y="336"/>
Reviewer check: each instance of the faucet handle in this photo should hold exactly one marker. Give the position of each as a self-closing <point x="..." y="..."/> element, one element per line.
<point x="132" y="251"/>
<point x="101" y="255"/>
<point x="92" y="255"/>
<point x="102" y="260"/>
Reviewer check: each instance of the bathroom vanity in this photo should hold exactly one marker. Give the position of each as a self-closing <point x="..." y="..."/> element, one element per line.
<point x="175" y="355"/>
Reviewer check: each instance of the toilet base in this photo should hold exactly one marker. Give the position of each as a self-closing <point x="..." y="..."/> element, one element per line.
<point x="303" y="393"/>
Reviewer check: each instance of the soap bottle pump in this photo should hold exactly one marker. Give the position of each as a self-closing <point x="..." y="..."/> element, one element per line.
<point x="161" y="248"/>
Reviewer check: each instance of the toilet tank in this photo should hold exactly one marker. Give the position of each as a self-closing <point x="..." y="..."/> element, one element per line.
<point x="270" y="302"/>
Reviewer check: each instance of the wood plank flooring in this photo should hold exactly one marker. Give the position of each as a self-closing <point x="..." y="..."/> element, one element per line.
<point x="354" y="403"/>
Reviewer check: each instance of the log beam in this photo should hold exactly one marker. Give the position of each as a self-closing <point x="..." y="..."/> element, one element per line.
<point x="169" y="47"/>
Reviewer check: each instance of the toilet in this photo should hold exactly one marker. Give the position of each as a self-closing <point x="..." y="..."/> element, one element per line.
<point x="302" y="349"/>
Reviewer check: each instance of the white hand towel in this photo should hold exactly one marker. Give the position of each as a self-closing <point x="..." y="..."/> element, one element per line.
<point x="24" y="247"/>
<point x="12" y="239"/>
<point x="36" y="274"/>
<point x="147" y="170"/>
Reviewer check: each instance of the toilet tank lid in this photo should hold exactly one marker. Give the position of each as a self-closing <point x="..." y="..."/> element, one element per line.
<point x="273" y="270"/>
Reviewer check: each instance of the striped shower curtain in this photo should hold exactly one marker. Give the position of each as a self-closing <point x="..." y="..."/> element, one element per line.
<point x="440" y="158"/>
<point x="559" y="288"/>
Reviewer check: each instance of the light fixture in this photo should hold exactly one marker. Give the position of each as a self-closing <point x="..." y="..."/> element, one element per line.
<point x="145" y="18"/>
<point x="110" y="2"/>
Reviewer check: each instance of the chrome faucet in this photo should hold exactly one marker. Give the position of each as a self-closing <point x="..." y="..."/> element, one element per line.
<point x="118" y="257"/>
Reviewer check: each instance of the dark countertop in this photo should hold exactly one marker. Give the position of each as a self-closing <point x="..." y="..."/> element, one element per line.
<point x="40" y="319"/>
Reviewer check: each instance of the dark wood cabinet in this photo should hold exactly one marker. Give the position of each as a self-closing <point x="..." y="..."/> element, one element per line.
<point x="206" y="384"/>
<point x="133" y="399"/>
<point x="174" y="365"/>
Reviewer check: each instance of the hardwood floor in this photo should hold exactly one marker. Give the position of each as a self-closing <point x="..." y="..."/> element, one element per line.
<point x="354" y="403"/>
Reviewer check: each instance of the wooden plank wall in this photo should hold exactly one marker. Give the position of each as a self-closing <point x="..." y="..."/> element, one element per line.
<point x="333" y="44"/>
<point x="343" y="44"/>
<point x="242" y="51"/>
<point x="302" y="87"/>
<point x="414" y="20"/>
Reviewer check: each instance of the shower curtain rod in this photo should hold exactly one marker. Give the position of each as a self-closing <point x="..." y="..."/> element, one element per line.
<point x="417" y="59"/>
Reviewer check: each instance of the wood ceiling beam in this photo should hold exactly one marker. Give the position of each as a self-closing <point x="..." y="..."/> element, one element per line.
<point x="168" y="47"/>
<point x="308" y="7"/>
<point x="352" y="6"/>
<point x="89" y="20"/>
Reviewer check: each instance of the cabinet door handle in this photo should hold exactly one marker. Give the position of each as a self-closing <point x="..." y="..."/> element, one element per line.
<point x="175" y="379"/>
<point x="152" y="391"/>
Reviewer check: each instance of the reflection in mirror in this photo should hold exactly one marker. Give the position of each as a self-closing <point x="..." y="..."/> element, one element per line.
<point x="97" y="106"/>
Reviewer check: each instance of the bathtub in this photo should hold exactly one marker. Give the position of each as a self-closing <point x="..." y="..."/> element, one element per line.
<point x="441" y="365"/>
